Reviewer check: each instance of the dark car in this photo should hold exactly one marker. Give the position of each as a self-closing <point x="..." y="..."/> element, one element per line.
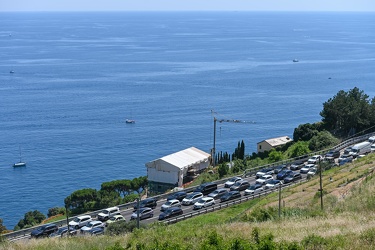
<point x="206" y="188"/>
<point x="296" y="165"/>
<point x="62" y="231"/>
<point x="218" y="193"/>
<point x="240" y="186"/>
<point x="280" y="168"/>
<point x="96" y="231"/>
<point x="170" y="212"/>
<point x="231" y="195"/>
<point x="292" y="177"/>
<point x="333" y="153"/>
<point x="44" y="231"/>
<point x="180" y="195"/>
<point x="283" y="174"/>
<point x="150" y="202"/>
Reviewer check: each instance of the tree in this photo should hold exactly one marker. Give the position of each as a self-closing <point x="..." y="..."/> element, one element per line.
<point x="82" y="200"/>
<point x="223" y="169"/>
<point x="30" y="219"/>
<point x="305" y="132"/>
<point x="275" y="156"/>
<point x="322" y="140"/>
<point x="348" y="112"/>
<point x="55" y="211"/>
<point x="298" y="149"/>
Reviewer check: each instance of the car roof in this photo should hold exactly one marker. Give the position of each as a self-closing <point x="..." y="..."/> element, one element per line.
<point x="207" y="198"/>
<point x="174" y="200"/>
<point x="144" y="208"/>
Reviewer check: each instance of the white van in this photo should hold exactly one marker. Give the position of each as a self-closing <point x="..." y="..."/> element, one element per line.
<point x="361" y="148"/>
<point x="80" y="221"/>
<point x="105" y="214"/>
<point x="371" y="139"/>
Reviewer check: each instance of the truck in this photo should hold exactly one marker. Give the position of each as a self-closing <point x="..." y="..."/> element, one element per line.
<point x="361" y="148"/>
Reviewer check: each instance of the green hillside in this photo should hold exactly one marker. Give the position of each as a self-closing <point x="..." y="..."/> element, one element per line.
<point x="347" y="221"/>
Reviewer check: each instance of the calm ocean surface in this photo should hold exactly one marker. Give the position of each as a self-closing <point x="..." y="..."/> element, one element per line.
<point x="78" y="76"/>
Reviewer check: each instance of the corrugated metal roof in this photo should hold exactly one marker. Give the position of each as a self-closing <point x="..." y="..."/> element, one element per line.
<point x="186" y="157"/>
<point x="274" y="142"/>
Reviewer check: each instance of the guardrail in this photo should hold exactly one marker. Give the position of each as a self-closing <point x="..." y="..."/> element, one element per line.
<point x="229" y="203"/>
<point x="249" y="172"/>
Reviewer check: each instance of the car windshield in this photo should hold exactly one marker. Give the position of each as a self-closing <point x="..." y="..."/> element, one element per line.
<point x="105" y="212"/>
<point x="168" y="203"/>
<point x="274" y="182"/>
<point x="237" y="184"/>
<point x="112" y="219"/>
<point x="190" y="196"/>
<point x="76" y="220"/>
<point x="233" y="179"/>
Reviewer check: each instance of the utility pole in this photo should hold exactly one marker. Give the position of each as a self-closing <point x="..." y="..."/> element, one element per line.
<point x="321" y="185"/>
<point x="279" y="200"/>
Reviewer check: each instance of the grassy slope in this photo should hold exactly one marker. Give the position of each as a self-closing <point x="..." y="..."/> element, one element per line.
<point x="348" y="220"/>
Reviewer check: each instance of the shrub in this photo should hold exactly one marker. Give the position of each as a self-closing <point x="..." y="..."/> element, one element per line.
<point x="315" y="242"/>
<point x="55" y="211"/>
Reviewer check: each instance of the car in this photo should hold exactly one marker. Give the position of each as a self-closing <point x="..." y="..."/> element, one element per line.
<point x="283" y="174"/>
<point x="292" y="177"/>
<point x="333" y="153"/>
<point x="44" y="231"/>
<point x="296" y="165"/>
<point x="231" y="195"/>
<point x="345" y="158"/>
<point x="149" y="202"/>
<point x="62" y="231"/>
<point x="314" y="159"/>
<point x="204" y="202"/>
<point x="144" y="213"/>
<point x="105" y="214"/>
<point x="80" y="221"/>
<point x="273" y="184"/>
<point x="170" y="203"/>
<point x="96" y="231"/>
<point x="264" y="179"/>
<point x="170" y="212"/>
<point x="218" y="193"/>
<point x="264" y="171"/>
<point x="254" y="189"/>
<point x="312" y="172"/>
<point x="372" y="147"/>
<point x="190" y="199"/>
<point x="114" y="219"/>
<point x="231" y="181"/>
<point x="91" y="225"/>
<point x="206" y="188"/>
<point x="348" y="151"/>
<point x="280" y="168"/>
<point x="306" y="168"/>
<point x="180" y="195"/>
<point x="240" y="186"/>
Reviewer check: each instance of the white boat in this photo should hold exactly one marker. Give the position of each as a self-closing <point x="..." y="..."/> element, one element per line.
<point x="20" y="163"/>
<point x="295" y="60"/>
<point x="130" y="121"/>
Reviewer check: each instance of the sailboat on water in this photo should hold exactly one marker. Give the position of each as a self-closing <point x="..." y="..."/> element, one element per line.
<point x="20" y="163"/>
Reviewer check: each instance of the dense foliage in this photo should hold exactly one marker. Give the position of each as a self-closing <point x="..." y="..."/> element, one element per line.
<point x="2" y="227"/>
<point x="348" y="112"/>
<point x="111" y="193"/>
<point x="30" y="219"/>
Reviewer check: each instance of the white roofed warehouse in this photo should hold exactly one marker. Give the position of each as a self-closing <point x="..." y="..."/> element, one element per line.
<point x="175" y="169"/>
<point x="269" y="144"/>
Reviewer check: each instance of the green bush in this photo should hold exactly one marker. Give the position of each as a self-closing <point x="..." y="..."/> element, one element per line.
<point x="314" y="242"/>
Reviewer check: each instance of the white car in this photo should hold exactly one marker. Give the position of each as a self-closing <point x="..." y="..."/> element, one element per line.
<point x="91" y="225"/>
<point x="273" y="184"/>
<point x="170" y="203"/>
<point x="372" y="147"/>
<point x="80" y="221"/>
<point x="314" y="159"/>
<point x="190" y="199"/>
<point x="204" y="202"/>
<point x="306" y="168"/>
<point x="264" y="179"/>
<point x="254" y="189"/>
<point x="231" y="181"/>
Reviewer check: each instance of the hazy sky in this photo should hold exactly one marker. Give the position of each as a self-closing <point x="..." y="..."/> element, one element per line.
<point x="189" y="5"/>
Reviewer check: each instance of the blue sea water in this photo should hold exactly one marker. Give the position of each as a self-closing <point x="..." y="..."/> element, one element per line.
<point x="78" y="76"/>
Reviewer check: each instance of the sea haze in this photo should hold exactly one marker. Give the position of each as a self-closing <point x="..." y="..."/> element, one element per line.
<point x="78" y="77"/>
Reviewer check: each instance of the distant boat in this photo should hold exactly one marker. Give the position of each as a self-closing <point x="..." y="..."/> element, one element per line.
<point x="129" y="121"/>
<point x="295" y="60"/>
<point x="20" y="163"/>
<point x="12" y="71"/>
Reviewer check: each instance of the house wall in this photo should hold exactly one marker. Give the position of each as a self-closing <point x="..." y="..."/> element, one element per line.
<point x="263" y="146"/>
